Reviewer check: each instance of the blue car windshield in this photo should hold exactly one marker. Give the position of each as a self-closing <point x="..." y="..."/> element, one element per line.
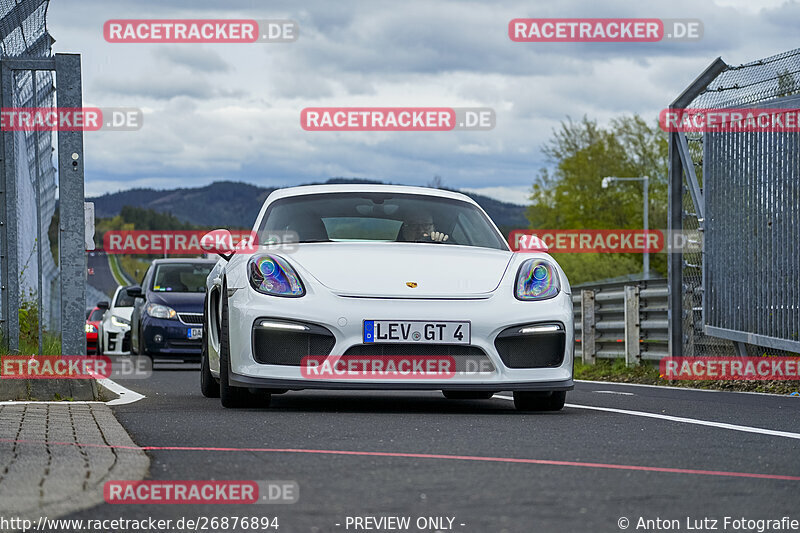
<point x="181" y="277"/>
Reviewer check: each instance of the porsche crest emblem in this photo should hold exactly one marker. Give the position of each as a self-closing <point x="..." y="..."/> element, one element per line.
<point x="411" y="284"/>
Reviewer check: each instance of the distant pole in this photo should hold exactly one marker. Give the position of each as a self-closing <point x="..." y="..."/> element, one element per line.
<point x="646" y="227"/>
<point x="646" y="222"/>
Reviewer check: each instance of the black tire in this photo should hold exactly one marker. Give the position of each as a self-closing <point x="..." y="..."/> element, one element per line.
<point x="539" y="400"/>
<point x="230" y="396"/>
<point x="208" y="385"/>
<point x="467" y="395"/>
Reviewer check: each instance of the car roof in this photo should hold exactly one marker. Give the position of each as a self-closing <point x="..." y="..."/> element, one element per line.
<point x="368" y="187"/>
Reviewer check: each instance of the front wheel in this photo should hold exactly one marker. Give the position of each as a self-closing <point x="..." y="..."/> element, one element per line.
<point x="539" y="400"/>
<point x="229" y="395"/>
<point x="208" y="385"/>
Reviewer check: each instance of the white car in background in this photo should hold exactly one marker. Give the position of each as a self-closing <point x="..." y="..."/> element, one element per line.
<point x="114" y="335"/>
<point x="391" y="275"/>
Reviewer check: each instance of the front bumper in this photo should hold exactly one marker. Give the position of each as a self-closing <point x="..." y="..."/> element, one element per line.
<point x="117" y="341"/>
<point x="169" y="337"/>
<point x="343" y="317"/>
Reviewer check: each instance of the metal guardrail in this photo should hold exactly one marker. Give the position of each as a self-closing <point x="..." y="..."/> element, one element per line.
<point x="622" y="320"/>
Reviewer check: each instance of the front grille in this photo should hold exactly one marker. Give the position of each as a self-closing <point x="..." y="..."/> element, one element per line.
<point x="286" y="347"/>
<point x="540" y="350"/>
<point x="191" y="318"/>
<point x="468" y="358"/>
<point x="193" y="343"/>
<point x="389" y="348"/>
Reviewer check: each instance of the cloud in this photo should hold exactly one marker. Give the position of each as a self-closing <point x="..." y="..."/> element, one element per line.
<point x="195" y="59"/>
<point x="231" y="111"/>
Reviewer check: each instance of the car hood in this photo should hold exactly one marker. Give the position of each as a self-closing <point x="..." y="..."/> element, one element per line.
<point x="182" y="302"/>
<point x="388" y="269"/>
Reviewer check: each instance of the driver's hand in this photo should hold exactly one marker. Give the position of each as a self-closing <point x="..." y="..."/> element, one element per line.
<point x="438" y="236"/>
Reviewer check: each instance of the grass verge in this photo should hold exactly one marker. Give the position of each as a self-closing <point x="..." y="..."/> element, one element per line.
<point x="116" y="271"/>
<point x="648" y="374"/>
<point x="134" y="268"/>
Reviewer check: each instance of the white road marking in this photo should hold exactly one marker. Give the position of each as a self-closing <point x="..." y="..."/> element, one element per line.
<point x="679" y="388"/>
<point x="126" y="396"/>
<point x="695" y="421"/>
<point x="614" y="392"/>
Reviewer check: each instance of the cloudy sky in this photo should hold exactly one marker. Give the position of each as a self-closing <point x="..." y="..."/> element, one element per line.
<point x="232" y="111"/>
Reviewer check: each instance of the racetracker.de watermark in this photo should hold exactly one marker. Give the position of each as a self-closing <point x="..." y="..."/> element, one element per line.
<point x="192" y="242"/>
<point x="200" y="31"/>
<point x="608" y="241"/>
<point x="604" y="30"/>
<point x="75" y="367"/>
<point x="735" y="120"/>
<point x="397" y="118"/>
<point x="378" y="367"/>
<point x="730" y="368"/>
<point x="71" y="118"/>
<point x="201" y="492"/>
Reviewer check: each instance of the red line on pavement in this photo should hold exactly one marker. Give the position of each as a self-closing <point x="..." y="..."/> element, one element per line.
<point x="422" y="456"/>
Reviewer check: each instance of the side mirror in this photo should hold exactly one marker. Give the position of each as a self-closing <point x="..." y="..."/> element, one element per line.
<point x="104" y="305"/>
<point x="135" y="291"/>
<point x="220" y="242"/>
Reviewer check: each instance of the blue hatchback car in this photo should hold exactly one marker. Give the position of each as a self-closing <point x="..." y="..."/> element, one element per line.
<point x="167" y="319"/>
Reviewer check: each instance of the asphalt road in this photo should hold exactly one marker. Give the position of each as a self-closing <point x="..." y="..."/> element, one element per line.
<point x="485" y="496"/>
<point x="102" y="279"/>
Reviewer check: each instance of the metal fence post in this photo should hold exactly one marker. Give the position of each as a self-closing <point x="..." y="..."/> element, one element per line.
<point x="632" y="322"/>
<point x="588" y="332"/>
<point x="9" y="230"/>
<point x="675" y="257"/>
<point x="72" y="254"/>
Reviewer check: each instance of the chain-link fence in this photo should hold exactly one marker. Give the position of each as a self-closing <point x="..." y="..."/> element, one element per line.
<point x="743" y="286"/>
<point x="24" y="35"/>
<point x="35" y="278"/>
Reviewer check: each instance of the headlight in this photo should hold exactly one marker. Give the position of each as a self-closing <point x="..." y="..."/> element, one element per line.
<point x="270" y="274"/>
<point x="537" y="279"/>
<point x="90" y="328"/>
<point x="160" y="311"/>
<point x="119" y="321"/>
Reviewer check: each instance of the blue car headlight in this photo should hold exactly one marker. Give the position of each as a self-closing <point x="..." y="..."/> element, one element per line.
<point x="270" y="274"/>
<point x="537" y="279"/>
<point x="160" y="311"/>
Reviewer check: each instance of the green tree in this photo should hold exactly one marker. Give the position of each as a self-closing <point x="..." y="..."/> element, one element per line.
<point x="569" y="195"/>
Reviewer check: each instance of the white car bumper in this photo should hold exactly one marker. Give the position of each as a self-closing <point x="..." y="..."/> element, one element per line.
<point x="343" y="317"/>
<point x="114" y="341"/>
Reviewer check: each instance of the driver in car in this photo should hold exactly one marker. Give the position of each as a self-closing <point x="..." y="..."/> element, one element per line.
<point x="419" y="227"/>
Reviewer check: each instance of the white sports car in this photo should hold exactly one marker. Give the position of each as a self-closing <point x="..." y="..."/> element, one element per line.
<point x="114" y="335"/>
<point x="383" y="287"/>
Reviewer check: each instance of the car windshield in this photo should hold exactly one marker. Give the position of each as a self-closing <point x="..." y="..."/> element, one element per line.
<point x="380" y="217"/>
<point x="123" y="300"/>
<point x="181" y="277"/>
<point x="96" y="316"/>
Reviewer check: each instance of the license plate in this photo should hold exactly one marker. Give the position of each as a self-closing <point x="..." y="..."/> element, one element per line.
<point x="412" y="331"/>
<point x="194" y="333"/>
